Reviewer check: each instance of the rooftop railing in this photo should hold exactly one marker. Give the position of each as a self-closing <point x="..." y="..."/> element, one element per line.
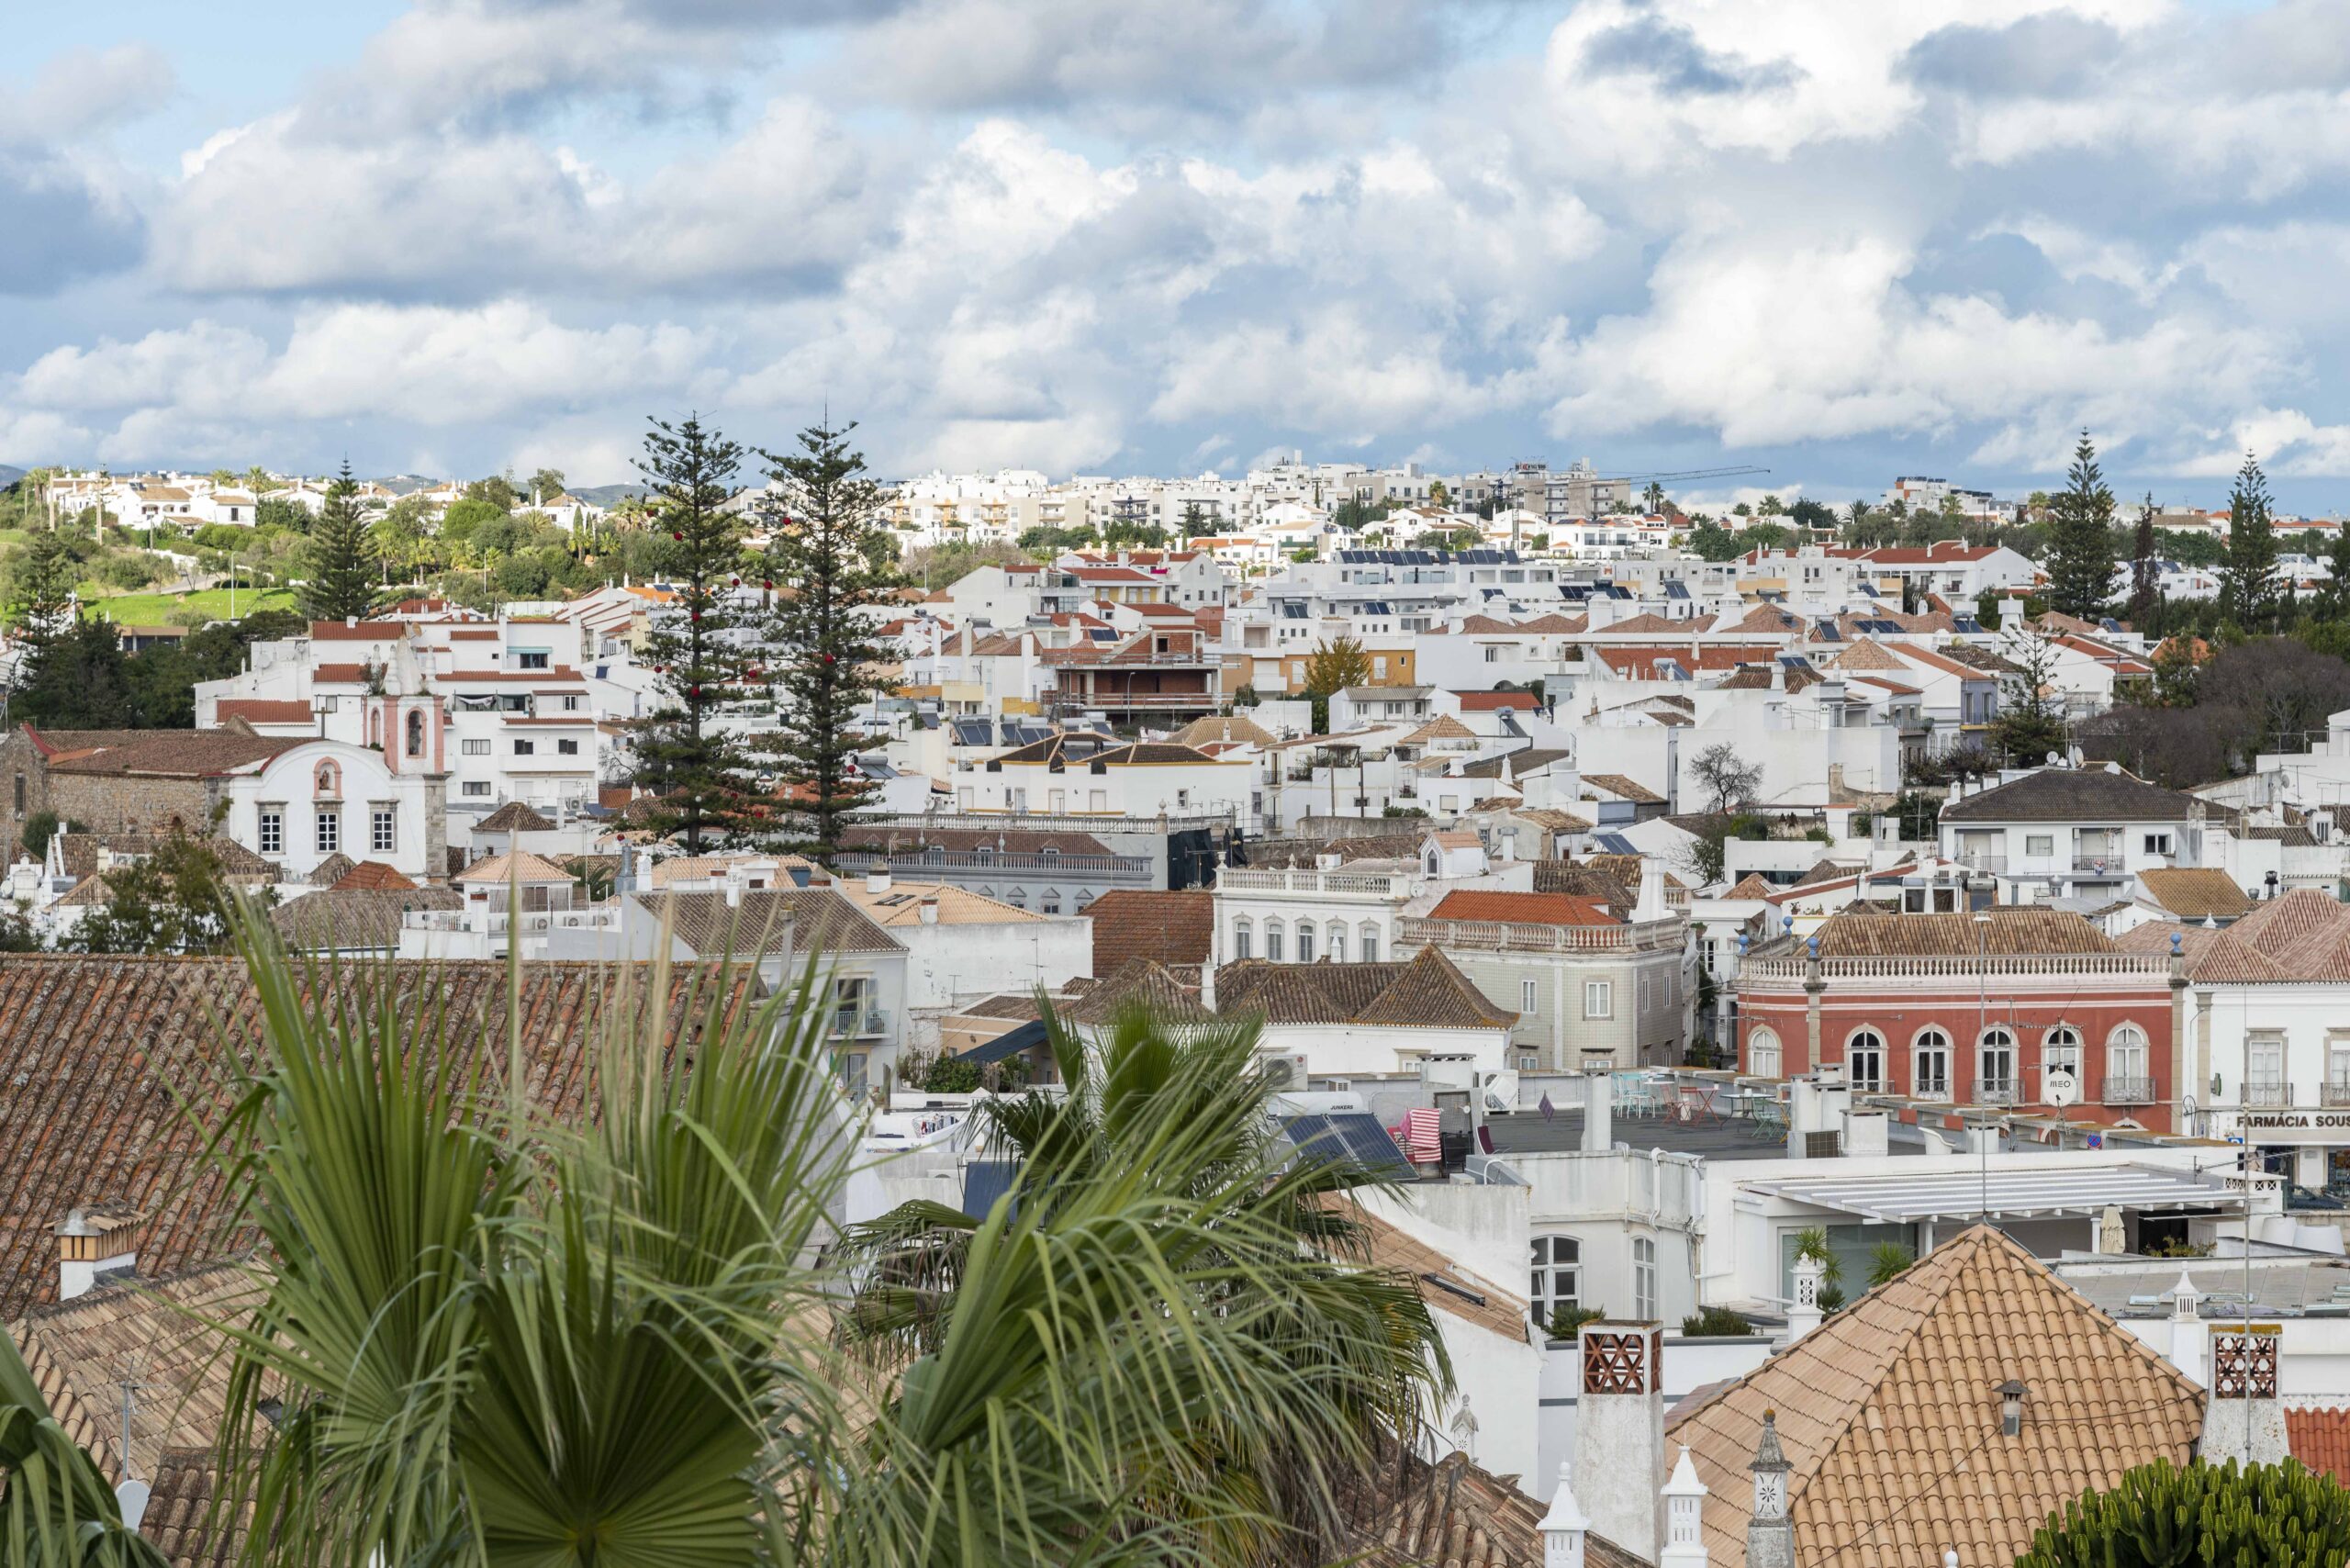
<point x="1497" y="936"/>
<point x="1241" y="879"/>
<point x="1794" y="969"/>
<point x="911" y="861"/>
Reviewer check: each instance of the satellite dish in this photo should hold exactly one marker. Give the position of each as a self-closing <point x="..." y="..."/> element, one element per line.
<point x="2060" y="1087"/>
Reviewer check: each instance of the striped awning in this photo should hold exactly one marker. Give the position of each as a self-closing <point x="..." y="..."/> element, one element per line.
<point x="2005" y="1195"/>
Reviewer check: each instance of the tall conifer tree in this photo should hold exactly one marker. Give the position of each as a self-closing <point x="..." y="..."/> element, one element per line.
<point x="2248" y="593"/>
<point x="2080" y="545"/>
<point x="695" y="644"/>
<point x="2145" y="570"/>
<point x="341" y="557"/>
<point x="831" y="563"/>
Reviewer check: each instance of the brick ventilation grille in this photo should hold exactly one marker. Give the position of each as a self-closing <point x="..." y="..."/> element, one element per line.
<point x="1620" y="1363"/>
<point x="2241" y="1360"/>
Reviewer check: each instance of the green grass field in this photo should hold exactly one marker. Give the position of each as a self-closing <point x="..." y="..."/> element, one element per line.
<point x="166" y="608"/>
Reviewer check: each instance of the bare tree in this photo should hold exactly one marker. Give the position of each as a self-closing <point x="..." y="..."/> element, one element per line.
<point x="1729" y="778"/>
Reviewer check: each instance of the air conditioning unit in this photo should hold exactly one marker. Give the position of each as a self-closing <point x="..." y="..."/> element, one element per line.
<point x="1283" y="1071"/>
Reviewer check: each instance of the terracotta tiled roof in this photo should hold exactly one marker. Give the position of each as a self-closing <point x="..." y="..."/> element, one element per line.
<point x="354" y="920"/>
<point x="1302" y="853"/>
<point x="365" y="630"/>
<point x="175" y="754"/>
<point x="1405" y="1512"/>
<point x="1751" y="886"/>
<point x="1625" y="789"/>
<point x="902" y="902"/>
<point x="264" y="711"/>
<point x="2305" y="935"/>
<point x="811" y="919"/>
<point x="2194" y="892"/>
<point x="76" y="1351"/>
<point x="332" y="869"/>
<point x="1425" y="993"/>
<point x="2072" y="794"/>
<point x="513" y="817"/>
<point x="2320" y="1440"/>
<point x="96" y="1053"/>
<point x="1889" y="1414"/>
<point x="373" y="876"/>
<point x="1583" y="881"/>
<point x="1865" y="655"/>
<point x="1521" y="909"/>
<point x="520" y="866"/>
<point x="1173" y="929"/>
<point x="1494" y="701"/>
<point x="1521" y="762"/>
<point x="1501" y="1312"/>
<point x="1443" y="727"/>
<point x="2005" y="933"/>
<point x="1138" y="980"/>
<point x="1206" y="732"/>
<point x="180" y="1521"/>
<point x="1012" y="840"/>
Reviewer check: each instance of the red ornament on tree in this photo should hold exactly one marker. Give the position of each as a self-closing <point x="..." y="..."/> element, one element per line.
<point x="770" y="583"/>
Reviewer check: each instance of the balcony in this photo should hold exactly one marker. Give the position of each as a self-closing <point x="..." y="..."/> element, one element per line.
<point x="1647" y="937"/>
<point x="2134" y="1090"/>
<point x="860" y="1023"/>
<point x="2267" y="1096"/>
<point x="2336" y="1091"/>
<point x="1243" y="880"/>
<point x="1995" y="1092"/>
<point x="1991" y="862"/>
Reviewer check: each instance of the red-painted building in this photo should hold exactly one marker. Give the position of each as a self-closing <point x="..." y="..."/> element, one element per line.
<point x="1970" y="1010"/>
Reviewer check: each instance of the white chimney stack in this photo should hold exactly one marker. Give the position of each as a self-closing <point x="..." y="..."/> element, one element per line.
<point x="1598" y="1113"/>
<point x="2242" y="1419"/>
<point x="1619" y="1433"/>
<point x="1684" y="1536"/>
<point x="927" y="910"/>
<point x="1651" y="900"/>
<point x="1565" y="1527"/>
<point x="92" y="1243"/>
<point x="1803" y="1313"/>
<point x="878" y="880"/>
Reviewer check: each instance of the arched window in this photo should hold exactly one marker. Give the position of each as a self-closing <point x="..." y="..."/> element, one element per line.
<point x="1337" y="943"/>
<point x="1558" y="1278"/>
<point x="1244" y="935"/>
<point x="2129" y="1069"/>
<point x="330" y="781"/>
<point x="375" y="726"/>
<point x="1995" y="1077"/>
<point x="2060" y="1048"/>
<point x="1368" y="948"/>
<point x="1929" y="1062"/>
<point x="1305" y="941"/>
<point x="1762" y="1058"/>
<point x="415" y="733"/>
<point x="1864" y="1059"/>
<point x="1274" y="931"/>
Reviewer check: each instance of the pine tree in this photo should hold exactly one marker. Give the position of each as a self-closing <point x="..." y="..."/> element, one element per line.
<point x="342" y="566"/>
<point x="2332" y="602"/>
<point x="695" y="645"/>
<point x="830" y="558"/>
<point x="2145" y="570"/>
<point x="2080" y="539"/>
<point x="2248" y="577"/>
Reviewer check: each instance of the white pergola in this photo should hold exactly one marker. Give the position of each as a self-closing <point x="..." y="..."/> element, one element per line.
<point x="2005" y="1194"/>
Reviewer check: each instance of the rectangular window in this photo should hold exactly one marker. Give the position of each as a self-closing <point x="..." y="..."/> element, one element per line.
<point x="473" y="748"/>
<point x="2040" y="844"/>
<point x="1644" y="1279"/>
<point x="2158" y="843"/>
<point x="20" y="794"/>
<point x="571" y="701"/>
<point x="272" y="830"/>
<point x="531" y="659"/>
<point x="1527" y="994"/>
<point x="382" y="835"/>
<point x="568" y="749"/>
<point x="1599" y="999"/>
<point x="476" y="786"/>
<point x="329" y="832"/>
<point x="525" y="748"/>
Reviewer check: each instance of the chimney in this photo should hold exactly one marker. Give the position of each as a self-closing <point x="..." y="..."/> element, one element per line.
<point x="1803" y="1313"/>
<point x="93" y="1243"/>
<point x="1565" y="1528"/>
<point x="1685" y="1537"/>
<point x="1867" y="1132"/>
<point x="927" y="910"/>
<point x="2242" y="1419"/>
<point x="734" y="885"/>
<point x="1598" y="1113"/>
<point x="1650" y="904"/>
<point x="878" y="880"/>
<point x="1619" y="1433"/>
<point x="2190" y="1337"/>
<point x="1770" y="1533"/>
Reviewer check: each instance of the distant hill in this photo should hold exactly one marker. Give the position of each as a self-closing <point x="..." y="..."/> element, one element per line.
<point x="606" y="495"/>
<point x="9" y="475"/>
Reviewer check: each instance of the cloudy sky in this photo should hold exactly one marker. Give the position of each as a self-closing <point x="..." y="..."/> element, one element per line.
<point x="1836" y="239"/>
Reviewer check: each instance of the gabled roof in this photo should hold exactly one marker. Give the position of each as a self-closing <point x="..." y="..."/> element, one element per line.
<point x="1521" y="762"/>
<point x="1406" y="1512"/>
<point x="804" y="919"/>
<point x="2304" y="936"/>
<point x="520" y="866"/>
<point x="1890" y="1412"/>
<point x="1625" y="789"/>
<point x="1232" y="727"/>
<point x="514" y="816"/>
<point x="2073" y="794"/>
<point x="1425" y="992"/>
<point x="1751" y="886"/>
<point x="96" y="1054"/>
<point x="1138" y="980"/>
<point x="1171" y="929"/>
<point x="2006" y="932"/>
<point x="1521" y="909"/>
<point x="354" y="919"/>
<point x="373" y="876"/>
<point x="2194" y="892"/>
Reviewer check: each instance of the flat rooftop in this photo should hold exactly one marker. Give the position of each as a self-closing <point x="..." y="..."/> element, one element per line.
<point x="1526" y="1132"/>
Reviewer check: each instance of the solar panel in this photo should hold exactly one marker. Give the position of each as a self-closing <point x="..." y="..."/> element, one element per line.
<point x="1373" y="1147"/>
<point x="1617" y="844"/>
<point x="1826" y="632"/>
<point x="985" y="1181"/>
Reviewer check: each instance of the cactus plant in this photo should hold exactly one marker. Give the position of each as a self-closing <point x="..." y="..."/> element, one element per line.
<point x="2161" y="1516"/>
